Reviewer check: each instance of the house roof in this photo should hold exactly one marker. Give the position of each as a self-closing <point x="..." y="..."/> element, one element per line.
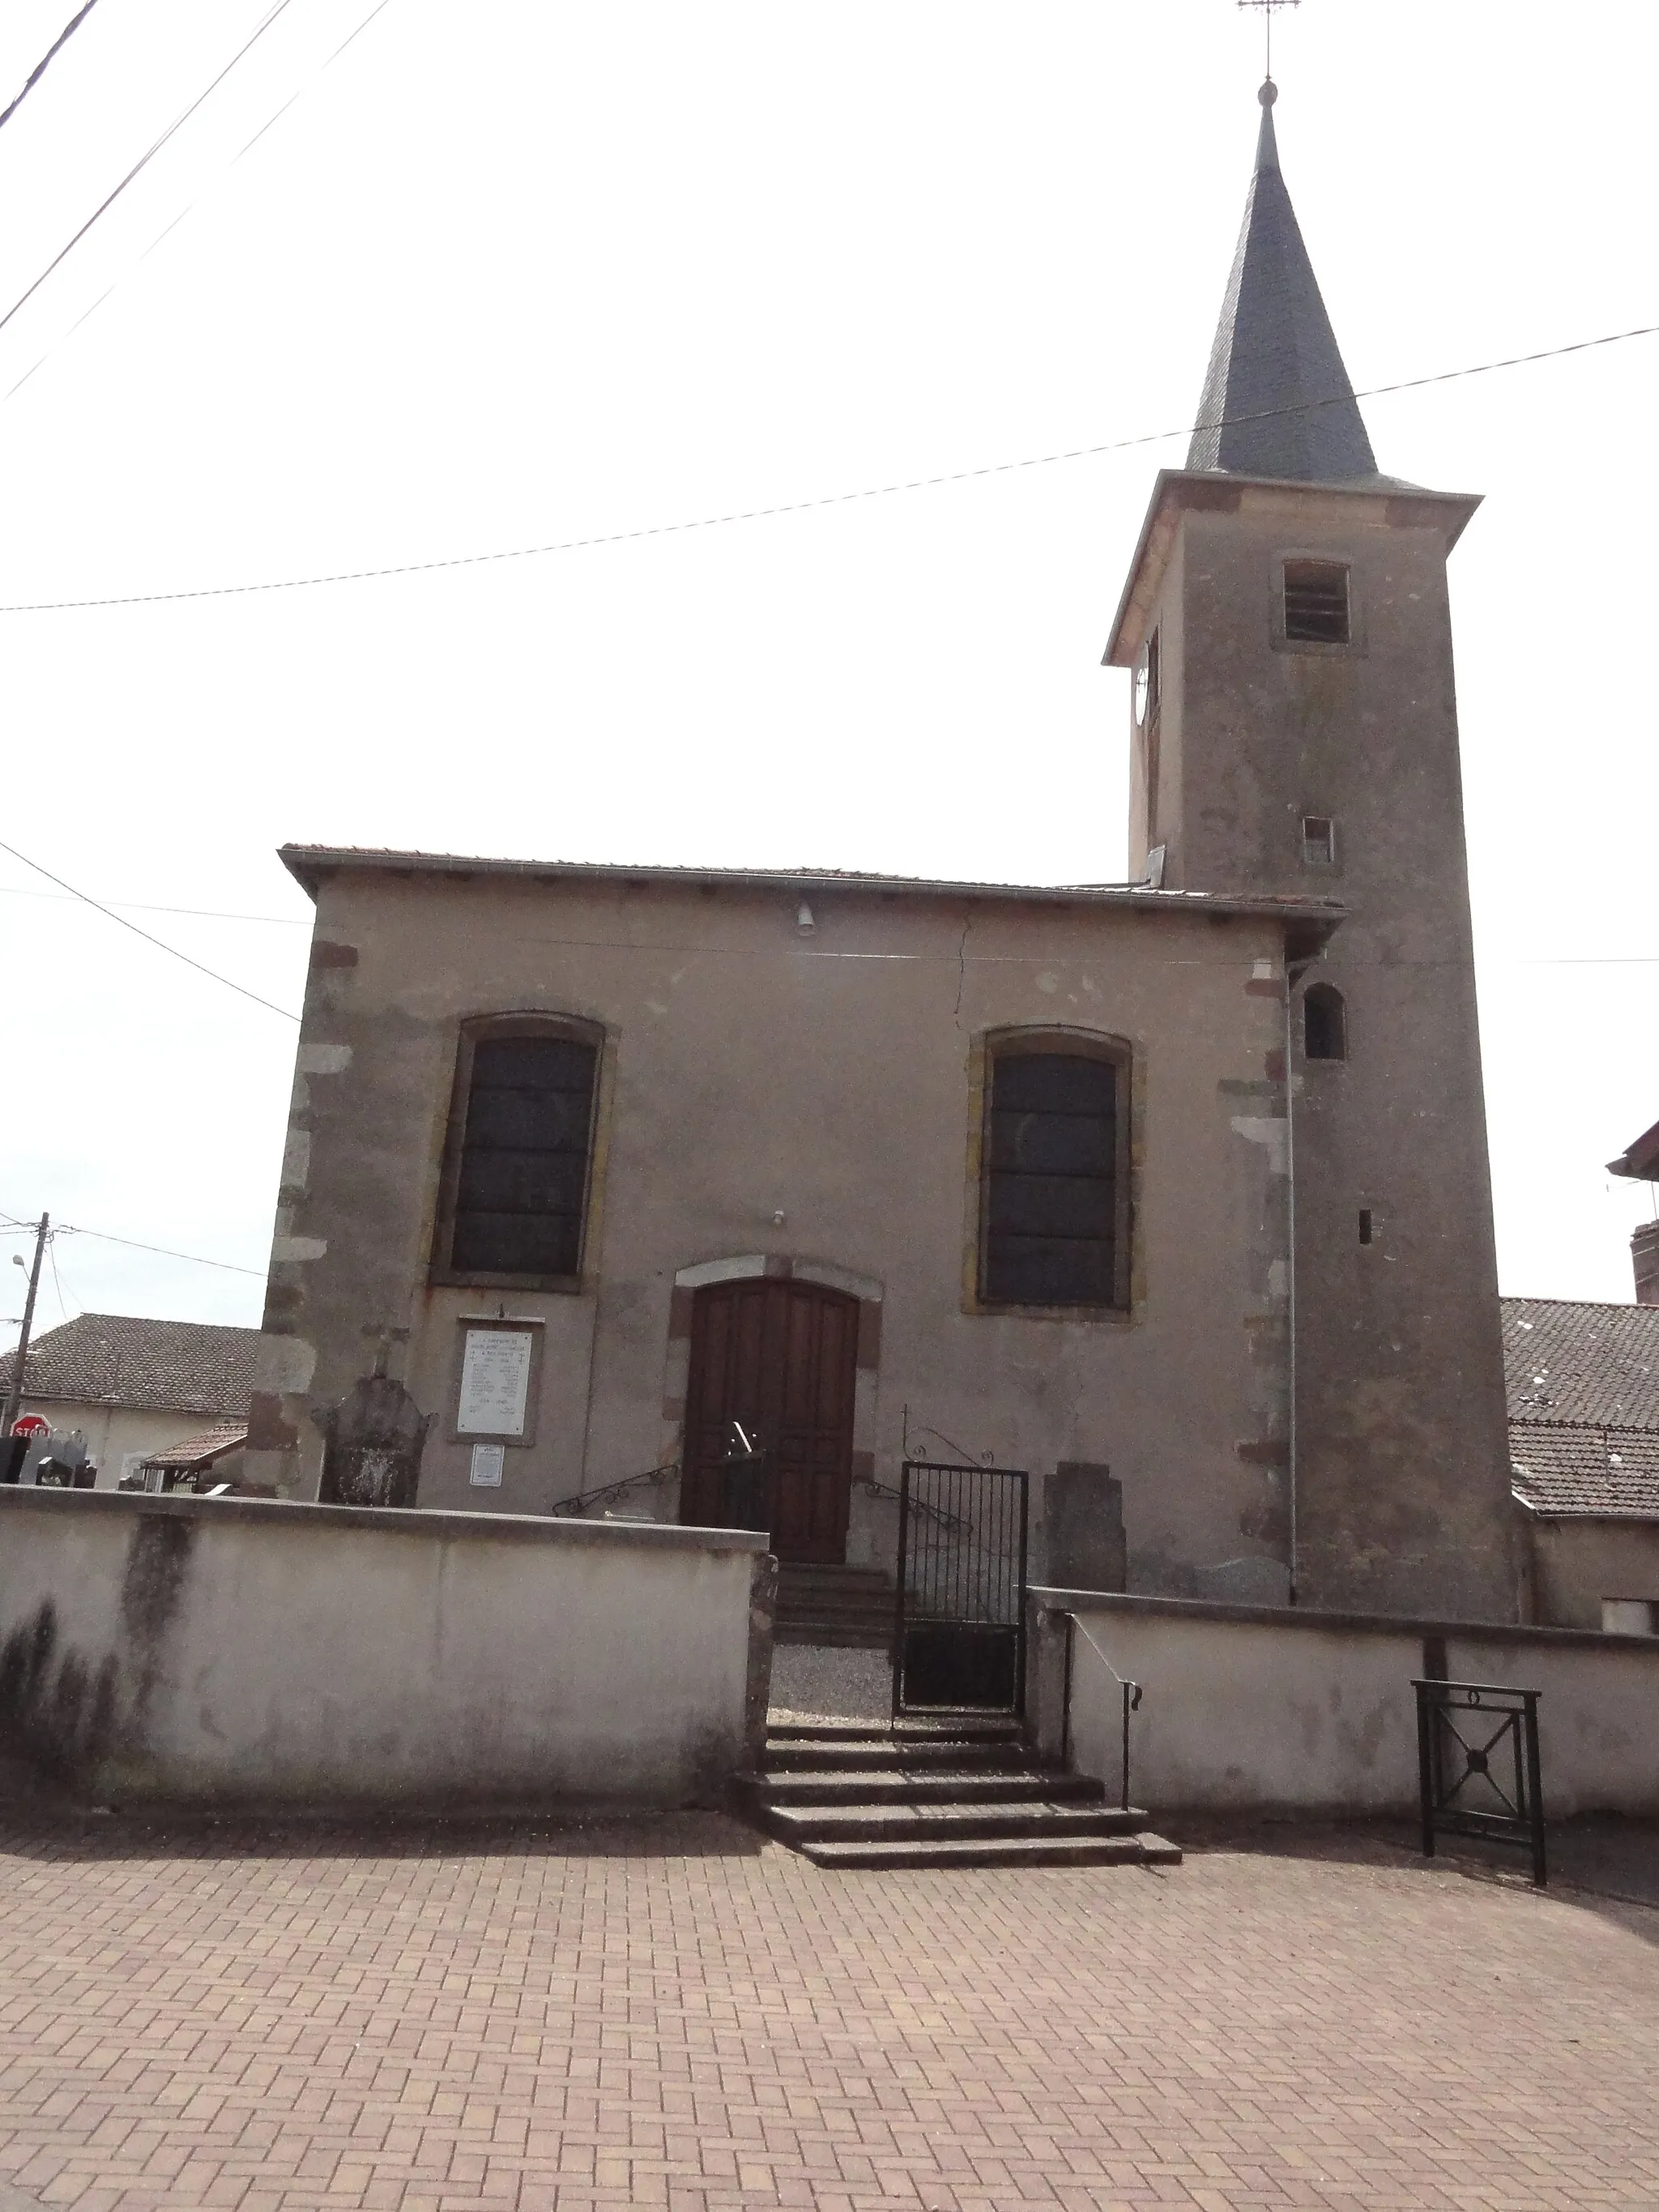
<point x="1641" y="1158"/>
<point x="1566" y="1360"/>
<point x="309" y="863"/>
<point x="160" y="1366"/>
<point x="1566" y="1470"/>
<point x="1277" y="399"/>
<point x="201" y="1449"/>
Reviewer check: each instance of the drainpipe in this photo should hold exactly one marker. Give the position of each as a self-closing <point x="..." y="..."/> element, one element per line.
<point x="1290" y="1234"/>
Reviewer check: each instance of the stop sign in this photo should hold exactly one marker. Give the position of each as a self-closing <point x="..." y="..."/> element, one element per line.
<point x="31" y="1424"/>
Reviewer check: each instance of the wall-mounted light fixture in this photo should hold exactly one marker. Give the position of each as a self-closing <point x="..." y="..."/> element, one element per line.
<point x="803" y="921"/>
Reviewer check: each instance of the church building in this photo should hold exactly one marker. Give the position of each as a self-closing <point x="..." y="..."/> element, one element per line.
<point x="1174" y="1194"/>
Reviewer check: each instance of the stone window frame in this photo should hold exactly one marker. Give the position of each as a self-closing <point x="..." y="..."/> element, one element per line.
<point x="528" y="1021"/>
<point x="1088" y="1044"/>
<point x="1358" y="639"/>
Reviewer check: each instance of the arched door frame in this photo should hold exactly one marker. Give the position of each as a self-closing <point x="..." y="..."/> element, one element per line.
<point x="750" y="1266"/>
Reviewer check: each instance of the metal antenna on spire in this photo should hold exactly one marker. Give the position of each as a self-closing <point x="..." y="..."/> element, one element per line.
<point x="1266" y="8"/>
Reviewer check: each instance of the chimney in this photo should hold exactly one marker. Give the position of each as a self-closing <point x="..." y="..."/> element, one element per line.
<point x="1644" y="1256"/>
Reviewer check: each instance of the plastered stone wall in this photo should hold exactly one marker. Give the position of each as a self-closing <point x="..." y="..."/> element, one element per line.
<point x="225" y="1652"/>
<point x="805" y="1101"/>
<point x="1316" y="1711"/>
<point x="1401" y="1440"/>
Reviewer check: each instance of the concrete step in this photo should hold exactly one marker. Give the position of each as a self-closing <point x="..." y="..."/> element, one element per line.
<point x="847" y="1609"/>
<point x="950" y="1786"/>
<point x="959" y="1730"/>
<point x="1036" y="1819"/>
<point x="1142" y="1850"/>
<point x="889" y="1755"/>
<point x="794" y="1575"/>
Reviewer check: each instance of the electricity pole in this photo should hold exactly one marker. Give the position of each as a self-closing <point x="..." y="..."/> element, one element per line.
<point x="14" y="1396"/>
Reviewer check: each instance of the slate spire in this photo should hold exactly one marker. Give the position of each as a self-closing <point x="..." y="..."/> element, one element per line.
<point x="1274" y="350"/>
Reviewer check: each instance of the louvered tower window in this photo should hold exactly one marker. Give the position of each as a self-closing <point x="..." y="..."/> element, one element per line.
<point x="1316" y="602"/>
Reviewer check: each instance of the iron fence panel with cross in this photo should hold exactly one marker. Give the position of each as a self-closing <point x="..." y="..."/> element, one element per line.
<point x="1478" y="1765"/>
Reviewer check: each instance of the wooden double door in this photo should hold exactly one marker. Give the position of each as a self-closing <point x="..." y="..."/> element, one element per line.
<point x="781" y="1359"/>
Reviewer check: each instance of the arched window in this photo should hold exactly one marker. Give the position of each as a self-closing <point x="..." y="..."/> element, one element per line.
<point x="1054" y="1188"/>
<point x="517" y="1163"/>
<point x="1324" y="1023"/>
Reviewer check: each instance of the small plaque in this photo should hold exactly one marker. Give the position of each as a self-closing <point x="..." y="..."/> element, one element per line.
<point x="488" y="1461"/>
<point x="494" y="1382"/>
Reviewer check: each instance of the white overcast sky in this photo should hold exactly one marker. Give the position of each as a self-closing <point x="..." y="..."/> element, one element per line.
<point x="521" y="272"/>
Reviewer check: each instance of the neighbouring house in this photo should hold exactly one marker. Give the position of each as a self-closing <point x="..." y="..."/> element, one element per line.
<point x="1584" y="1392"/>
<point x="197" y="1462"/>
<point x="1640" y="1161"/>
<point x="133" y="1386"/>
<point x="1174" y="1193"/>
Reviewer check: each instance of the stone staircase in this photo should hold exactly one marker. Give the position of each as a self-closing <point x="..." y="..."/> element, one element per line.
<point x="920" y="1794"/>
<point x="848" y="1606"/>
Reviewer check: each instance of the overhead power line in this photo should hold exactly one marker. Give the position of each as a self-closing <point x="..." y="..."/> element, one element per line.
<point x="74" y="1229"/>
<point x="269" y="123"/>
<point x="140" y="906"/>
<point x="241" y="989"/>
<point x="46" y="60"/>
<point x="144" y="161"/>
<point x="824" y="499"/>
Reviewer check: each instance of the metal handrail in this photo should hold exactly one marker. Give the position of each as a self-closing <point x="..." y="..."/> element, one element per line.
<point x="1132" y="1695"/>
<point x="946" y="1520"/>
<point x="570" y="1508"/>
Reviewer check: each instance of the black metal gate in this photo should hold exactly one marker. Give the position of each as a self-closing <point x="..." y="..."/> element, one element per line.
<point x="959" y="1637"/>
<point x="1478" y="1765"/>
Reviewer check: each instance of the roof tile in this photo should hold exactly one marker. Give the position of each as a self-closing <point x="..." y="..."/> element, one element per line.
<point x="200" y="1450"/>
<point x="1567" y="1360"/>
<point x="1566" y="1470"/>
<point x="162" y="1366"/>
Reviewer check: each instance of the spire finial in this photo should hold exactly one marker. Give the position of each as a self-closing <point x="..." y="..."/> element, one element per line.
<point x="1267" y="145"/>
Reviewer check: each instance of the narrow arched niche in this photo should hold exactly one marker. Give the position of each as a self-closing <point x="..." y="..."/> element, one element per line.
<point x="1324" y="1023"/>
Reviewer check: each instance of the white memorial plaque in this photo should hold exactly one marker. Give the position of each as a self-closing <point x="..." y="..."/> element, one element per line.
<point x="494" y="1382"/>
<point x="488" y="1460"/>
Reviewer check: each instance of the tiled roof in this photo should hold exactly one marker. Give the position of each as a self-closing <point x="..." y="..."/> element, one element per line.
<point x="158" y="1367"/>
<point x="1276" y="400"/>
<point x="1563" y="1469"/>
<point x="1566" y="1360"/>
<point x="309" y="863"/>
<point x="201" y="1450"/>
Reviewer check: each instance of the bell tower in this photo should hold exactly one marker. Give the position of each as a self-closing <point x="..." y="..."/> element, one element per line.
<point x="1295" y="730"/>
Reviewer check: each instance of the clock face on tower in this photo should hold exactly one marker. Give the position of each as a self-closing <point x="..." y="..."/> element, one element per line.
<point x="1142" y="672"/>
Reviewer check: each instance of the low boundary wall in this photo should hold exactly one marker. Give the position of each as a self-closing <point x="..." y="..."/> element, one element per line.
<point x="214" y="1652"/>
<point x="1260" y="1706"/>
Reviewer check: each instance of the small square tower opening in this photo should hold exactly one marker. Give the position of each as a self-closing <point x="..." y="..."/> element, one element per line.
<point x="1316" y="602"/>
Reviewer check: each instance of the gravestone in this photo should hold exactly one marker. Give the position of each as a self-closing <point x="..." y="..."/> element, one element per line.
<point x="1083" y="1519"/>
<point x="372" y="1445"/>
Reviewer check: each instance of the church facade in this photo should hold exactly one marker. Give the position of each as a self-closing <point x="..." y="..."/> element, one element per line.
<point x="1172" y="1193"/>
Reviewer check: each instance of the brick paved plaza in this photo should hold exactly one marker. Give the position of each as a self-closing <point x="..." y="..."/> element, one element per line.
<point x="678" y="2015"/>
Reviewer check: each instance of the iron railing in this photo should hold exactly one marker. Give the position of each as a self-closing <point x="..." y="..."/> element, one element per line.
<point x="1478" y="1765"/>
<point x="1132" y="1695"/>
<point x="575" y="1509"/>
